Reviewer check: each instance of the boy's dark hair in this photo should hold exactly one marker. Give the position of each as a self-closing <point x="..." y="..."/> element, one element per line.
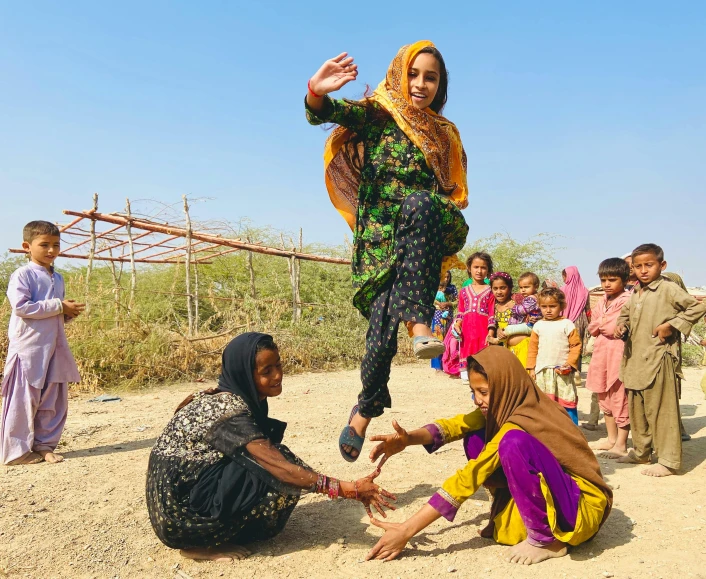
<point x="553" y="293"/>
<point x="652" y="248"/>
<point x="474" y="366"/>
<point x="36" y="228"/>
<point x="481" y="255"/>
<point x="614" y="267"/>
<point x="533" y="276"/>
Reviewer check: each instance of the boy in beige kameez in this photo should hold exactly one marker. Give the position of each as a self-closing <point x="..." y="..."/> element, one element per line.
<point x="650" y="323"/>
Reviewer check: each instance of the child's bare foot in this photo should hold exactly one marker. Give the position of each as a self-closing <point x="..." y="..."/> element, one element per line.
<point x="50" y="457"/>
<point x="631" y="458"/>
<point x="603" y="444"/>
<point x="615" y="452"/>
<point x="589" y="426"/>
<point x="25" y="459"/>
<point x="658" y="470"/>
<point x="226" y="555"/>
<point x="525" y="554"/>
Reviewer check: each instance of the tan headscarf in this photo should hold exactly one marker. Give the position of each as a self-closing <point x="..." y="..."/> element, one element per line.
<point x="514" y="398"/>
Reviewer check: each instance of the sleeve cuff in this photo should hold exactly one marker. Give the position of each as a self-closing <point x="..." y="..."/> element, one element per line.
<point x="438" y="437"/>
<point x="322" y="116"/>
<point x="681" y="326"/>
<point x="445" y="504"/>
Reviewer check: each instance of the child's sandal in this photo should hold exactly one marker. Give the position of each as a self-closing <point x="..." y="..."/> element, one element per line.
<point x="428" y="347"/>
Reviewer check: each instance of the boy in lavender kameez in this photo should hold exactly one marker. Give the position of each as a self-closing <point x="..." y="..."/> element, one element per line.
<point x="39" y="364"/>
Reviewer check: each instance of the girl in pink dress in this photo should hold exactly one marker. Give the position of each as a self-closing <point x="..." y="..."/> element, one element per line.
<point x="476" y="304"/>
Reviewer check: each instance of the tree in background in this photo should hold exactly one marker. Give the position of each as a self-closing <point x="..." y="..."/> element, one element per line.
<point x="537" y="254"/>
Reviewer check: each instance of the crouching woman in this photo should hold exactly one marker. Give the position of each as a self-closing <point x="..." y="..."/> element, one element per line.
<point x="548" y="490"/>
<point x="219" y="478"/>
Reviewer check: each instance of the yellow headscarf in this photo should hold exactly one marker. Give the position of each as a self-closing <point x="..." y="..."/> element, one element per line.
<point x="437" y="137"/>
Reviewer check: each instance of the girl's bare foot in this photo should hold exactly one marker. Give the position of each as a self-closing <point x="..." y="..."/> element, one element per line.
<point x="631" y="458"/>
<point x="25" y="459"/>
<point x="603" y="444"/>
<point x="615" y="452"/>
<point x="360" y="425"/>
<point x="225" y="555"/>
<point x="50" y="457"/>
<point x="658" y="470"/>
<point x="526" y="554"/>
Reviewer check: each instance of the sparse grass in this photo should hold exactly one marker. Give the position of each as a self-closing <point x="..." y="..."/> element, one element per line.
<point x="115" y="347"/>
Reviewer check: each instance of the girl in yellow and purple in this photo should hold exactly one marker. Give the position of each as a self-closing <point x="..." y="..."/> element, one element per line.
<point x="547" y="487"/>
<point x="554" y="352"/>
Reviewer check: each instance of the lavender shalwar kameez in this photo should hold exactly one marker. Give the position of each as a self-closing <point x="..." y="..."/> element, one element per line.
<point x="39" y="364"/>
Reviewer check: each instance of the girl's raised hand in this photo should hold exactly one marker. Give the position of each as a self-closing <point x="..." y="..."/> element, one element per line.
<point x="334" y="74"/>
<point x="390" y="444"/>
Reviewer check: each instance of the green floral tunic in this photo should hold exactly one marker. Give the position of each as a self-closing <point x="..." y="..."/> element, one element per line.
<point x="393" y="167"/>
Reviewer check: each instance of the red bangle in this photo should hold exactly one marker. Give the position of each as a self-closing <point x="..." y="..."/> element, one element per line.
<point x="311" y="92"/>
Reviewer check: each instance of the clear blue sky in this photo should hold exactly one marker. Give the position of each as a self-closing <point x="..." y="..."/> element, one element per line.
<point x="585" y="119"/>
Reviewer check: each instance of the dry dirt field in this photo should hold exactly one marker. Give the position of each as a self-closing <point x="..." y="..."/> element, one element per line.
<point x="86" y="517"/>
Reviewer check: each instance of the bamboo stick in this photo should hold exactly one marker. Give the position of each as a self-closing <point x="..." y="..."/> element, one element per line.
<point x="224" y="241"/>
<point x="189" y="297"/>
<point x="125" y="242"/>
<point x="91" y="254"/>
<point x="133" y="269"/>
<point x="251" y="271"/>
<point x="125" y="259"/>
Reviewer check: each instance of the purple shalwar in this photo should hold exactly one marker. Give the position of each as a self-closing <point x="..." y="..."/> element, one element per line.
<point x="39" y="364"/>
<point x="523" y="457"/>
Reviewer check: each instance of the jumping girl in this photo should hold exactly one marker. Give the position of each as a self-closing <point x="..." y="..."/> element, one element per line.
<point x="396" y="171"/>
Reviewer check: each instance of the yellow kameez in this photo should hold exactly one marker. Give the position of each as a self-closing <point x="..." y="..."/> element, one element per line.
<point x="509" y="528"/>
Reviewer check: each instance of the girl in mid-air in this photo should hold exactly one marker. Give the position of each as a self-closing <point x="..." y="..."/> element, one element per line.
<point x="396" y="171"/>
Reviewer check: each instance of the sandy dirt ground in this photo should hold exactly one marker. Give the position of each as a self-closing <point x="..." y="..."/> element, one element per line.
<point x="86" y="517"/>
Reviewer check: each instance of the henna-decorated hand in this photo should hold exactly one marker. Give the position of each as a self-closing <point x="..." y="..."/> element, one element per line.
<point x="373" y="495"/>
<point x="390" y="444"/>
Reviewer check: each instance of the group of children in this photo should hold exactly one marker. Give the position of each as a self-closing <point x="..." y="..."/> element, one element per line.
<point x="634" y="372"/>
<point x="635" y="366"/>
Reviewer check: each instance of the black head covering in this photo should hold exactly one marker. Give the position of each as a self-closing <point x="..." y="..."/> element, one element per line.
<point x="237" y="366"/>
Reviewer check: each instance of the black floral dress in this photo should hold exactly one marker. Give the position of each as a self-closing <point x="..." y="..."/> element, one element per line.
<point x="196" y="495"/>
<point x="393" y="168"/>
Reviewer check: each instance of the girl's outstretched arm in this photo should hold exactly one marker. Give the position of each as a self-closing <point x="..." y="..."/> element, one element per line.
<point x="396" y="536"/>
<point x="391" y="444"/>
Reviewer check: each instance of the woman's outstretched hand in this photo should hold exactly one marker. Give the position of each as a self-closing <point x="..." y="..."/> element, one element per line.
<point x="391" y="544"/>
<point x="390" y="444"/>
<point x="334" y="74"/>
<point x="373" y="495"/>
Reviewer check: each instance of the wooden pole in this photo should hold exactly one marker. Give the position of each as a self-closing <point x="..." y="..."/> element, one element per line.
<point x="91" y="254"/>
<point x="224" y="241"/>
<point x="251" y="270"/>
<point x="292" y="266"/>
<point x="189" y="297"/>
<point x="116" y="288"/>
<point x="133" y="269"/>
<point x="196" y="298"/>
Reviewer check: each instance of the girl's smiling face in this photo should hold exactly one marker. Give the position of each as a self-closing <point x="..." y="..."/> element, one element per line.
<point x="478" y="270"/>
<point x="268" y="374"/>
<point x="501" y="291"/>
<point x="481" y="390"/>
<point x="423" y="78"/>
